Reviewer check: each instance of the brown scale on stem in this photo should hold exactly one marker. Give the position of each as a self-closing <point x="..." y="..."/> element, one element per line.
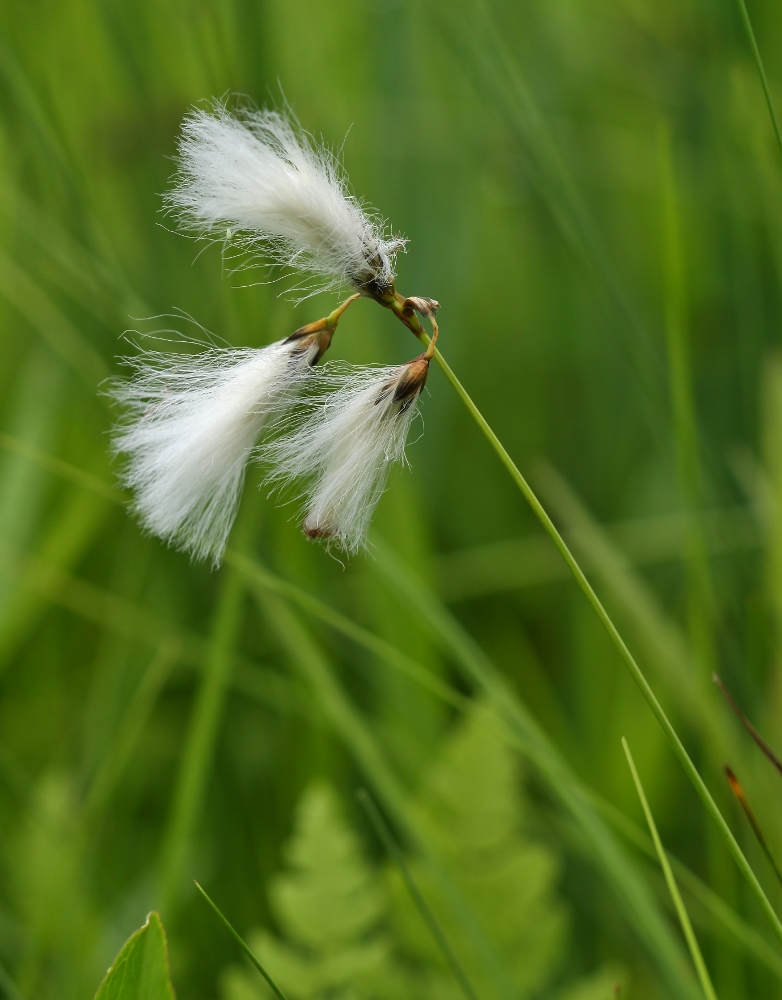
<point x="321" y="331"/>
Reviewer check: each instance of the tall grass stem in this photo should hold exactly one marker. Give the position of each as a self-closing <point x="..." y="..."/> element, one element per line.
<point x="245" y="948"/>
<point x="635" y="671"/>
<point x="692" y="941"/>
<point x="383" y="831"/>
<point x="747" y="21"/>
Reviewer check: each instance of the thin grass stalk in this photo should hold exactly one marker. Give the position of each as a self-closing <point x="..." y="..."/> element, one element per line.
<point x="747" y="22"/>
<point x="702" y="893"/>
<point x="635" y="671"/>
<point x="700" y="602"/>
<point x="130" y="728"/>
<point x="383" y="831"/>
<point x="198" y="749"/>
<point x="692" y="941"/>
<point x="239" y="940"/>
<point x="8" y="986"/>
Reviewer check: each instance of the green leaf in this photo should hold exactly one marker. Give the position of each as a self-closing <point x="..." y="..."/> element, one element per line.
<point x="140" y="971"/>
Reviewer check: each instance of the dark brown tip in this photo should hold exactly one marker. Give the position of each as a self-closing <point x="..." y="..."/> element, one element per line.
<point x="316" y="533"/>
<point x="748" y="725"/>
<point x="411" y="381"/>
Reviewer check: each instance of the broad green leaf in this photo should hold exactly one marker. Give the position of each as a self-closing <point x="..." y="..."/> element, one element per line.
<point x="140" y="971"/>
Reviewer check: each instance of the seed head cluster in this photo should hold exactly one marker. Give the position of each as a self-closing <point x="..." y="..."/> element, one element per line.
<point x="254" y="172"/>
<point x="191" y="423"/>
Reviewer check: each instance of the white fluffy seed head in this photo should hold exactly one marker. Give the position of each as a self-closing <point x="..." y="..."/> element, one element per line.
<point x="189" y="425"/>
<point x="350" y="430"/>
<point x="255" y="173"/>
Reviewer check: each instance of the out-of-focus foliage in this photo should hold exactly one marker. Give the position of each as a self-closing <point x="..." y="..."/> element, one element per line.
<point x="351" y="930"/>
<point x="594" y="194"/>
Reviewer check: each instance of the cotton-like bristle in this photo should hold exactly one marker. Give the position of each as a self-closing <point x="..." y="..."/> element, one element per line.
<point x="344" y="440"/>
<point x="189" y="425"/>
<point x="256" y="174"/>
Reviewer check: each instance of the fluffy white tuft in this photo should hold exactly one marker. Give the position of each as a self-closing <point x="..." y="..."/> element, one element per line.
<point x="189" y="426"/>
<point x="255" y="173"/>
<point x="344" y="439"/>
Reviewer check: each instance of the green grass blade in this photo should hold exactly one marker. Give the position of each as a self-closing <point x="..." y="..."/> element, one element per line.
<point x="54" y="328"/>
<point x="627" y="657"/>
<point x="235" y="935"/>
<point x="383" y="831"/>
<point x="8" y="986"/>
<point x="665" y="644"/>
<point x="761" y="69"/>
<point x="130" y="728"/>
<point x="201" y="738"/>
<point x="530" y="560"/>
<point x="692" y="942"/>
<point x="685" y="432"/>
<point x="719" y="912"/>
<point x="61" y="468"/>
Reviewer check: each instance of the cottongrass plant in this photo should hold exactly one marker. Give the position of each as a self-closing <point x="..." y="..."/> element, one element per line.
<point x="255" y="173"/>
<point x="191" y="426"/>
<point x="190" y="423"/>
<point x="348" y="433"/>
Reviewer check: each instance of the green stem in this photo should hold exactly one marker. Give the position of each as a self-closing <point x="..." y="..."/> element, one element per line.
<point x="383" y="831"/>
<point x="759" y="62"/>
<point x="689" y="933"/>
<point x="235" y="935"/>
<point x="635" y="671"/>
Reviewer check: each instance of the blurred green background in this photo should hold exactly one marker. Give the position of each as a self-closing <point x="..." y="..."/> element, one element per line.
<point x="594" y="194"/>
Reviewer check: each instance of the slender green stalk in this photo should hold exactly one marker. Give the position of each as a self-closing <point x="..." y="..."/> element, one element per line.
<point x="60" y="467"/>
<point x="383" y="831"/>
<point x="8" y="986"/>
<point x="130" y="729"/>
<point x="200" y="740"/>
<point x="692" y="941"/>
<point x="761" y="70"/>
<point x="635" y="671"/>
<point x="744" y="933"/>
<point x="700" y="602"/>
<point x="234" y="934"/>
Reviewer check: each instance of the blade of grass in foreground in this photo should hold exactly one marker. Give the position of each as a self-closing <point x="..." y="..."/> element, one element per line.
<point x="201" y="738"/>
<point x="692" y="942"/>
<point x="761" y="69"/>
<point x="234" y="934"/>
<point x="629" y="660"/>
<point x="8" y="986"/>
<point x="700" y="597"/>
<point x="130" y="728"/>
